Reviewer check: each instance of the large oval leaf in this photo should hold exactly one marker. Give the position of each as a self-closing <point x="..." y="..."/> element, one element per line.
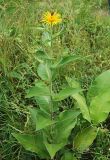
<point x="100" y="107"/>
<point x="100" y="85"/>
<point x="44" y="72"/>
<point x="66" y="122"/>
<point x="61" y="130"/>
<point x="80" y="99"/>
<point x="44" y="103"/>
<point x="53" y="148"/>
<point x="41" y="89"/>
<point x="33" y="143"/>
<point x="85" y="138"/>
<point x="40" y="119"/>
<point x="99" y="97"/>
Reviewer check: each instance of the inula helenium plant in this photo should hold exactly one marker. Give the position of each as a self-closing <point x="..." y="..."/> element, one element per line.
<point x="54" y="80"/>
<point x="54" y="126"/>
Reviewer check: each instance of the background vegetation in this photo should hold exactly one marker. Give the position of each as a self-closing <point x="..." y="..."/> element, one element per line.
<point x="85" y="31"/>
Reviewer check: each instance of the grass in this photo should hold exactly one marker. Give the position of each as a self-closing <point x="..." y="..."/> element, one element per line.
<point x="85" y="31"/>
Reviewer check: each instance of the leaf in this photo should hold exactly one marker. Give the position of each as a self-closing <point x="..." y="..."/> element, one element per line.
<point x="46" y="39"/>
<point x="85" y="138"/>
<point x="61" y="131"/>
<point x="33" y="143"/>
<point x="98" y="97"/>
<point x="68" y="114"/>
<point x="65" y="93"/>
<point x="43" y="120"/>
<point x="66" y="122"/>
<point x="68" y="156"/>
<point x="39" y="90"/>
<point x="79" y="97"/>
<point x="83" y="106"/>
<point x="33" y="113"/>
<point x="53" y="148"/>
<point x="100" y="107"/>
<point x="65" y="60"/>
<point x="44" y="72"/>
<point x="44" y="103"/>
<point x="40" y="118"/>
<point x="100" y="85"/>
<point x="41" y="56"/>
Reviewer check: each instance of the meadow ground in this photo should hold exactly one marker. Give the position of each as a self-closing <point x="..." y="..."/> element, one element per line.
<point x="85" y="31"/>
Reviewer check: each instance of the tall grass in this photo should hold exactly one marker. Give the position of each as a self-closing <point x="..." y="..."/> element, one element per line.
<point x="85" y="31"/>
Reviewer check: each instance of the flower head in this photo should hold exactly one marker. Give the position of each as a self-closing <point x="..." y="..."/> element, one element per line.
<point x="51" y="18"/>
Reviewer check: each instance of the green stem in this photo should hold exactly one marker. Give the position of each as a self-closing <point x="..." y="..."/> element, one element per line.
<point x="51" y="33"/>
<point x="51" y="101"/>
<point x="52" y="118"/>
<point x="52" y="129"/>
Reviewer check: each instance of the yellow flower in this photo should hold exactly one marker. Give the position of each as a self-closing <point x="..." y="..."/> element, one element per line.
<point x="51" y="18"/>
